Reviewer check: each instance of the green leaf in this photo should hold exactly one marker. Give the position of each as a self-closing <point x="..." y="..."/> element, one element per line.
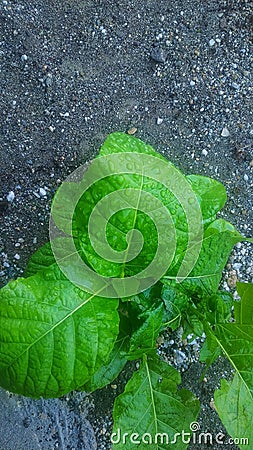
<point x="211" y="195"/>
<point x="243" y="310"/>
<point x="234" y="401"/>
<point x="175" y="302"/>
<point x="218" y="307"/>
<point x="121" y="142"/>
<point x="131" y="216"/>
<point x="209" y="351"/>
<point x="40" y="260"/>
<point x="53" y="335"/>
<point x="192" y="322"/>
<point x="235" y="408"/>
<point x="106" y="373"/>
<point x="144" y="339"/>
<point x="152" y="410"/>
<point x="236" y="341"/>
<point x="219" y="239"/>
<point x="215" y="309"/>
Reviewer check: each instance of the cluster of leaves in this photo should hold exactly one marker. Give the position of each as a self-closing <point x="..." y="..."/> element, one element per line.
<point x="55" y="337"/>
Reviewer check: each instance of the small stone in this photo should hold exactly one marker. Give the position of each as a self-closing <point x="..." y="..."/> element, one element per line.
<point x="225" y="132"/>
<point x="42" y="192"/>
<point x="204" y="152"/>
<point x="235" y="86"/>
<point x="212" y="42"/>
<point x="232" y="279"/>
<point x="66" y="114"/>
<point x="158" y="54"/>
<point x="10" y="197"/>
<point x="132" y="130"/>
<point x="246" y="178"/>
<point x="51" y="128"/>
<point x="24" y="58"/>
<point x="17" y="256"/>
<point x="114" y="386"/>
<point x="159" y="120"/>
<point x="212" y="405"/>
<point x="192" y="83"/>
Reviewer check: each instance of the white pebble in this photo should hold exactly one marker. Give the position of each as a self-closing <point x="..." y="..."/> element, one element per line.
<point x="212" y="42"/>
<point x="204" y="152"/>
<point x="10" y="197"/>
<point x="42" y="192"/>
<point x="17" y="256"/>
<point x="159" y="120"/>
<point x="246" y="178"/>
<point x="192" y="83"/>
<point x="66" y="114"/>
<point x="225" y="132"/>
<point x="24" y="58"/>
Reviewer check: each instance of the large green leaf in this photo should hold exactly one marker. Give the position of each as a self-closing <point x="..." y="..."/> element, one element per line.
<point x="210" y="194"/>
<point x="53" y="335"/>
<point x="236" y="339"/>
<point x="152" y="410"/>
<point x="235" y="408"/>
<point x="234" y="400"/>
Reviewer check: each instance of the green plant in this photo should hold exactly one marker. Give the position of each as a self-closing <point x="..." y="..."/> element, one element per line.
<point x="56" y="335"/>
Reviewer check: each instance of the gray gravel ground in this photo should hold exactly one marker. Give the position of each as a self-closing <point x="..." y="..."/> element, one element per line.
<point x="74" y="71"/>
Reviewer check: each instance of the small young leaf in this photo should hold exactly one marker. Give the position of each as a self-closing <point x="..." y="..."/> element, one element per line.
<point x="144" y="339"/>
<point x="175" y="302"/>
<point x="210" y="350"/>
<point x="152" y="411"/>
<point x="218" y="307"/>
<point x="53" y="335"/>
<point x="117" y="359"/>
